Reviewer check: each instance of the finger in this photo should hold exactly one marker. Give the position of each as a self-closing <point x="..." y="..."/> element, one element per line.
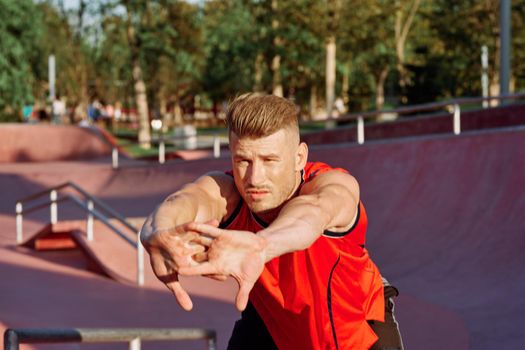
<point x="203" y="240"/>
<point x="213" y="222"/>
<point x="216" y="277"/>
<point x="203" y="269"/>
<point x="200" y="257"/>
<point x="243" y="295"/>
<point x="181" y="295"/>
<point x="205" y="229"/>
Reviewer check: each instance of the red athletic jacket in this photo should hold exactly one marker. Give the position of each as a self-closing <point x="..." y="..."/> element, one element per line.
<point x="320" y="297"/>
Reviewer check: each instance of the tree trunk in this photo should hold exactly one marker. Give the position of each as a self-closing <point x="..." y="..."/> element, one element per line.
<point x="259" y="62"/>
<point x="330" y="75"/>
<point x="277" y="86"/>
<point x="402" y="28"/>
<point x="313" y="101"/>
<point x="141" y="100"/>
<point x="345" y="85"/>
<point x="380" y="88"/>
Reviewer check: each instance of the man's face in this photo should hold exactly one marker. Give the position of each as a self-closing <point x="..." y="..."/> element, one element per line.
<point x="267" y="169"/>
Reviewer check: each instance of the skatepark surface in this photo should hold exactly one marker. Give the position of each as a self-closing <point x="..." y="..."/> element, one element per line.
<point x="445" y="226"/>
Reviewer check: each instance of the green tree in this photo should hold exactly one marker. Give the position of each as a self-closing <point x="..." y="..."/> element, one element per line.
<point x="19" y="25"/>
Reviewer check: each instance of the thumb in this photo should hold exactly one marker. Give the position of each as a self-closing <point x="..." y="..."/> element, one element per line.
<point x="243" y="295"/>
<point x="213" y="222"/>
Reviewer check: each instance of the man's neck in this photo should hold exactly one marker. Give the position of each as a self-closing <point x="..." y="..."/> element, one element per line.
<point x="270" y="215"/>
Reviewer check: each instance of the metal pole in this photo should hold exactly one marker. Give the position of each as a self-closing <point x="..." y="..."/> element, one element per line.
<point x="216" y="146"/>
<point x="457" y="119"/>
<point x="114" y="157"/>
<point x="212" y="343"/>
<point x="10" y="340"/>
<point x="360" y="130"/>
<point x="134" y="344"/>
<point x="140" y="261"/>
<point x="53" y="207"/>
<point x="484" y="74"/>
<point x="19" y="221"/>
<point x="52" y="75"/>
<point x="89" y="224"/>
<point x="162" y="151"/>
<point x="505" y="51"/>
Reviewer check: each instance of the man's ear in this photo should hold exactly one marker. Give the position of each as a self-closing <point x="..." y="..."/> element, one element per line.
<point x="301" y="156"/>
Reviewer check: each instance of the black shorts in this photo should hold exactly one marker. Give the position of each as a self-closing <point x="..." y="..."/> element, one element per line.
<point x="250" y="333"/>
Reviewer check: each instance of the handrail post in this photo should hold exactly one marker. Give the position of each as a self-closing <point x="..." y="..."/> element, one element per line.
<point x="114" y="157"/>
<point x="360" y="130"/>
<point x="53" y="207"/>
<point x="216" y="146"/>
<point x="140" y="261"/>
<point x="162" y="151"/>
<point x="134" y="344"/>
<point x="11" y="340"/>
<point x="19" y="221"/>
<point x="457" y="119"/>
<point x="89" y="223"/>
<point x="212" y="344"/>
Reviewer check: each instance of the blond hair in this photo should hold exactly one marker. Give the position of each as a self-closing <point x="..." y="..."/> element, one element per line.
<point x="258" y="115"/>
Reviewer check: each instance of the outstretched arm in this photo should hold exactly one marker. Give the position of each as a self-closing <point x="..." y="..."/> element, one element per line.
<point x="329" y="201"/>
<point x="166" y="234"/>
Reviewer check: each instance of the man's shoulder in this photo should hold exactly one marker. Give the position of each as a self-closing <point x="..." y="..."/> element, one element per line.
<point x="312" y="169"/>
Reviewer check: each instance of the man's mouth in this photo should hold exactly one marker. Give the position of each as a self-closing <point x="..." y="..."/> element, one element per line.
<point x="255" y="194"/>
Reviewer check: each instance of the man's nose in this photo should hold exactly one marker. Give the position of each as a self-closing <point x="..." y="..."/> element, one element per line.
<point x="257" y="174"/>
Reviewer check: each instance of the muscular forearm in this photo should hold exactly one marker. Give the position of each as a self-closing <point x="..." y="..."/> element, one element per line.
<point x="304" y="218"/>
<point x="192" y="203"/>
<point x="298" y="225"/>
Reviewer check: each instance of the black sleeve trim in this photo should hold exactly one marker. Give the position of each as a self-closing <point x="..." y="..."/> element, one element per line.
<point x="329" y="302"/>
<point x="342" y="234"/>
<point x="232" y="217"/>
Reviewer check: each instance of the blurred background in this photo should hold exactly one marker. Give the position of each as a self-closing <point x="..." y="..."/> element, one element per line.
<point x="124" y="63"/>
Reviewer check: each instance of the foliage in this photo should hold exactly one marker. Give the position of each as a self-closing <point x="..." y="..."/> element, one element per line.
<point x="19" y="25"/>
<point x="216" y="49"/>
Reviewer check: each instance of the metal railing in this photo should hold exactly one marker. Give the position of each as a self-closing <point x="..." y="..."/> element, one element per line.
<point x="88" y="205"/>
<point x="164" y="140"/>
<point x="451" y="106"/>
<point x="134" y="336"/>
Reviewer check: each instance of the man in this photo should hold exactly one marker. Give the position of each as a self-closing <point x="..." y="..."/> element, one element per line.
<point x="291" y="233"/>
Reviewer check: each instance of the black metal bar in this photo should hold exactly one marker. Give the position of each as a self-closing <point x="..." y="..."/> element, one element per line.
<point x="105" y="207"/>
<point x="10" y="340"/>
<point x="103" y="219"/>
<point x="14" y="337"/>
<point x="42" y="193"/>
<point x="426" y="106"/>
<point x="29" y="209"/>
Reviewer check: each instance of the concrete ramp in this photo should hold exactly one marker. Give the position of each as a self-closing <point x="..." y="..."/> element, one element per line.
<point x="447" y="224"/>
<point x="45" y="142"/>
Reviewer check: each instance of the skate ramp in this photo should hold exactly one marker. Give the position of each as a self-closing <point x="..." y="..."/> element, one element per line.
<point x="45" y="142"/>
<point x="445" y="226"/>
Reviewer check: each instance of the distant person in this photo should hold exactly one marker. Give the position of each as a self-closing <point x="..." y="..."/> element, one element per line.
<point x="27" y="113"/>
<point x="292" y="234"/>
<point x="58" y="109"/>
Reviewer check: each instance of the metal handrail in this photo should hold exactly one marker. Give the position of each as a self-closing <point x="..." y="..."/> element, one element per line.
<point x="453" y="106"/>
<point x="14" y="337"/>
<point x="101" y="217"/>
<point x="426" y="106"/>
<point x="90" y="209"/>
<point x="79" y="189"/>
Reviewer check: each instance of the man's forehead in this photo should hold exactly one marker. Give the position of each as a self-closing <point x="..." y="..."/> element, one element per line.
<point x="281" y="134"/>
